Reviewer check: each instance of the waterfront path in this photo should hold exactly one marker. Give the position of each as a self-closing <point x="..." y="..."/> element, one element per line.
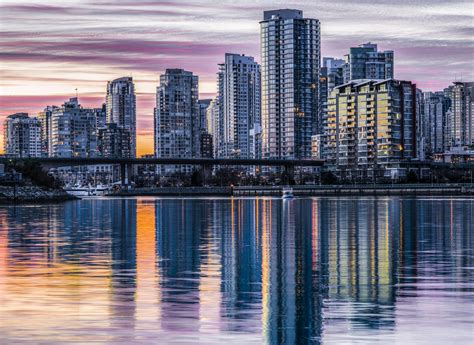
<point x="309" y="190"/>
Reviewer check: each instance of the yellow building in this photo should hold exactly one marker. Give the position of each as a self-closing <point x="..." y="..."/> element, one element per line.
<point x="370" y="128"/>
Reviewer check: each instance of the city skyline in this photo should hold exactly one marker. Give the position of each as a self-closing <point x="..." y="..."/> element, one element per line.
<point x="432" y="43"/>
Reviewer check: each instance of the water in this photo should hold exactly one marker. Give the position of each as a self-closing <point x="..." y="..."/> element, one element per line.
<point x="239" y="271"/>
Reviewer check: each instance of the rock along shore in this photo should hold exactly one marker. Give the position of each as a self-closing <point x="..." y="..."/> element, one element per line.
<point x="32" y="194"/>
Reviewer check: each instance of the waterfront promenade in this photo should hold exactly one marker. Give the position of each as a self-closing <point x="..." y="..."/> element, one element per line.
<point x="309" y="190"/>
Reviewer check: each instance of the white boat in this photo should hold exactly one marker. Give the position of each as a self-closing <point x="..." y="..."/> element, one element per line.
<point x="78" y="190"/>
<point x="287" y="193"/>
<point x="99" y="190"/>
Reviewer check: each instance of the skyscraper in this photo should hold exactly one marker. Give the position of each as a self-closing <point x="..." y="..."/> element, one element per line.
<point x="203" y="105"/>
<point x="121" y="107"/>
<point x="365" y="62"/>
<point x="371" y="128"/>
<point x="22" y="136"/>
<point x="212" y="117"/>
<point x="114" y="141"/>
<point x="239" y="93"/>
<point x="435" y="106"/>
<point x="460" y="116"/>
<point x="45" y="118"/>
<point x="177" y="127"/>
<point x="290" y="48"/>
<point x="73" y="131"/>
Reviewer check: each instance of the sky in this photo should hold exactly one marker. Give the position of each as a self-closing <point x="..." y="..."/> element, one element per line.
<point x="49" y="48"/>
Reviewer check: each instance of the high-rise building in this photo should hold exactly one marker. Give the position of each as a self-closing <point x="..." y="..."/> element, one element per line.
<point x="121" y="107"/>
<point x="213" y="128"/>
<point x="330" y="77"/>
<point x="73" y="131"/>
<point x="177" y="127"/>
<point x="421" y="140"/>
<point x="45" y="118"/>
<point x="365" y="62"/>
<point x="371" y="128"/>
<point x="290" y="63"/>
<point x="203" y="105"/>
<point x="22" y="136"/>
<point x="101" y="116"/>
<point x="207" y="150"/>
<point x="435" y="107"/>
<point x="460" y="116"/>
<point x="239" y="94"/>
<point x="114" y="141"/>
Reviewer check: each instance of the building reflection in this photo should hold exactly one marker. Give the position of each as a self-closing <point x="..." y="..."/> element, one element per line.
<point x="123" y="282"/>
<point x="178" y="231"/>
<point x="271" y="271"/>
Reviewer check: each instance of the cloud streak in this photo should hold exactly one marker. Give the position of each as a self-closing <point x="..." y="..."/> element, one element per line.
<point x="48" y="47"/>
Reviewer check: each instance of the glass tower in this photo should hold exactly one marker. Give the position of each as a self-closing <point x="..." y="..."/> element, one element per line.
<point x="121" y="107"/>
<point x="290" y="49"/>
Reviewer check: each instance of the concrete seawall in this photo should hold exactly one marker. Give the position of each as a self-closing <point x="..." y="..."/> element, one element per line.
<point x="335" y="190"/>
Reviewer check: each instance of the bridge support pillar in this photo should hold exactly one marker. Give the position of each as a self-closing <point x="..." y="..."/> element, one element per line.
<point x="125" y="175"/>
<point x="289" y="174"/>
<point x="206" y="173"/>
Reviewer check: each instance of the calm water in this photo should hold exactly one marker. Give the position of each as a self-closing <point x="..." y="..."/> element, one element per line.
<point x="239" y="271"/>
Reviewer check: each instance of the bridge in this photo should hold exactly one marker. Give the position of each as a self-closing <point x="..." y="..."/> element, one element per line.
<point x="126" y="164"/>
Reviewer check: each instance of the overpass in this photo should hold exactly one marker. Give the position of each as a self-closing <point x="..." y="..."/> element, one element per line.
<point x="126" y="164"/>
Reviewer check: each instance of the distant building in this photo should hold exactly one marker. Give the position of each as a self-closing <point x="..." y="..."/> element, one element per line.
<point x="455" y="155"/>
<point x="45" y="118"/>
<point x="121" y="107"/>
<point x="460" y="116"/>
<point x="331" y="75"/>
<point x="371" y="128"/>
<point x="203" y="105"/>
<point x="73" y="131"/>
<point x="239" y="112"/>
<point x="212" y="117"/>
<point x="101" y="116"/>
<point x="22" y="136"/>
<point x="435" y="107"/>
<point x="207" y="150"/>
<point x="316" y="146"/>
<point x="290" y="63"/>
<point x="366" y="62"/>
<point x="114" y="142"/>
<point x="177" y="115"/>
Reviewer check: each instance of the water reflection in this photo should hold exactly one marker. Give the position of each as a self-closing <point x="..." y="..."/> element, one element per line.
<point x="238" y="270"/>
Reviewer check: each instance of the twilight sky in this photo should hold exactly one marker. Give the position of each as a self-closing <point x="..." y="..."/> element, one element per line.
<point x="49" y="48"/>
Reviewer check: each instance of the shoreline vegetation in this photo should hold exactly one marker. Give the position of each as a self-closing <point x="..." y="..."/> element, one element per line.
<point x="29" y="184"/>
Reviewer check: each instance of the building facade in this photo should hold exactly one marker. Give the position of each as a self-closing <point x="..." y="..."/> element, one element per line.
<point x="45" y="118"/>
<point x="212" y="118"/>
<point x="366" y="62"/>
<point x="22" y="136"/>
<point x="239" y="93"/>
<point x="371" y="128"/>
<point x="460" y="116"/>
<point x="435" y="107"/>
<point x="177" y="118"/>
<point x="121" y="107"/>
<point x="73" y="131"/>
<point x="114" y="141"/>
<point x="290" y="67"/>
<point x="207" y="150"/>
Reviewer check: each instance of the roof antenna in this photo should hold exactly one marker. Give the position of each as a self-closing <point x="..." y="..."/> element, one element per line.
<point x="77" y="95"/>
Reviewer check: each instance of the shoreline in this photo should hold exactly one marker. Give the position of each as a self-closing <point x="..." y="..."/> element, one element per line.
<point x="335" y="190"/>
<point x="19" y="195"/>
